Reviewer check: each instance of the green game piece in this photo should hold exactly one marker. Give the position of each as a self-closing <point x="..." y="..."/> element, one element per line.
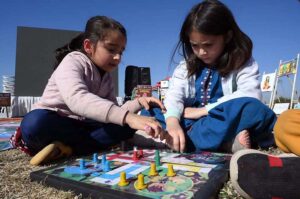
<point x="157" y="158"/>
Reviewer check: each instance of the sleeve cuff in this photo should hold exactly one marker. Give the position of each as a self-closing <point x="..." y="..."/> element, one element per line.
<point x="133" y="106"/>
<point x="172" y="113"/>
<point x="211" y="106"/>
<point x="116" y="115"/>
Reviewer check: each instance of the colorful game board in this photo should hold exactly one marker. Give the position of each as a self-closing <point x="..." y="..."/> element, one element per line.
<point x="7" y="128"/>
<point x="164" y="175"/>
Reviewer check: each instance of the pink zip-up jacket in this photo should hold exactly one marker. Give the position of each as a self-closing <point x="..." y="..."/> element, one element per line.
<point x="77" y="90"/>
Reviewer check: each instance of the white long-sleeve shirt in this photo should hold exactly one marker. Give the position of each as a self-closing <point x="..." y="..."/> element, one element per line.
<point x="182" y="89"/>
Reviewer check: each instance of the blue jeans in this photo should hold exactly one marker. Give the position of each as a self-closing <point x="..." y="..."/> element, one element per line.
<point x="41" y="127"/>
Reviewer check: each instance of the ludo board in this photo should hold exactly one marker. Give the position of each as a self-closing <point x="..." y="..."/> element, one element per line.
<point x="196" y="175"/>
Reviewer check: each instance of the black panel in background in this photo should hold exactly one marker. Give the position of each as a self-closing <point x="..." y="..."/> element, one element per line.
<point x="35" y="58"/>
<point x="131" y="79"/>
<point x="134" y="76"/>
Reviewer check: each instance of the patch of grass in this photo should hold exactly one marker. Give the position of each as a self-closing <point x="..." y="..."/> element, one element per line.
<point x="15" y="181"/>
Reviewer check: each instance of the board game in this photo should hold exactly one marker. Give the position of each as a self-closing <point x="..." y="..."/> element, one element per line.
<point x="7" y="129"/>
<point x="140" y="174"/>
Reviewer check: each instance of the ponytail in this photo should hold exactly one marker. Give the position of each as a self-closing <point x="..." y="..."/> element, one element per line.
<point x="74" y="45"/>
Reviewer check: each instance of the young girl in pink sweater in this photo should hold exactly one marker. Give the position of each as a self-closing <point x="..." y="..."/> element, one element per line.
<point x="78" y="112"/>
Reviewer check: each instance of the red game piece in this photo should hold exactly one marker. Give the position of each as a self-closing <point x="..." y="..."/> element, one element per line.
<point x="141" y="153"/>
<point x="135" y="155"/>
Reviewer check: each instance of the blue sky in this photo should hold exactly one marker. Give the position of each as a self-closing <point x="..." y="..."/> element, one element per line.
<point x="153" y="27"/>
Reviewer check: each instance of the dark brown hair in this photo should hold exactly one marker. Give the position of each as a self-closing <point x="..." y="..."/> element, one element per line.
<point x="96" y="29"/>
<point x="212" y="17"/>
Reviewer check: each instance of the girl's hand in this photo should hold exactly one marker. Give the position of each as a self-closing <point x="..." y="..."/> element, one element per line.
<point x="194" y="113"/>
<point x="176" y="138"/>
<point x="148" y="124"/>
<point x="148" y="102"/>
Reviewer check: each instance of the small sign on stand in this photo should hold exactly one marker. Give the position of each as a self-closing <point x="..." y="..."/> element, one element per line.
<point x="142" y="91"/>
<point x="5" y="101"/>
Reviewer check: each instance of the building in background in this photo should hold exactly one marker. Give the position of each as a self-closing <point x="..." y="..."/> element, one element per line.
<point x="35" y="58"/>
<point x="8" y="83"/>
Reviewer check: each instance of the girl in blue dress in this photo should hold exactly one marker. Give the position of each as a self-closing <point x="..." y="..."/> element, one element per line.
<point x="214" y="94"/>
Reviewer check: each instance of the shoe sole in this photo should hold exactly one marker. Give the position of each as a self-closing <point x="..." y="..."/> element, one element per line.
<point x="46" y="155"/>
<point x="42" y="155"/>
<point x="234" y="167"/>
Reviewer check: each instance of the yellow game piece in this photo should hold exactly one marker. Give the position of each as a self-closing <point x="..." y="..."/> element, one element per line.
<point x="123" y="182"/>
<point x="171" y="171"/>
<point x="153" y="171"/>
<point x="140" y="182"/>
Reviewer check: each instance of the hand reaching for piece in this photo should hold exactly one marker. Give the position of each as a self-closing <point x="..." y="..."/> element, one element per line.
<point x="175" y="137"/>
<point x="148" y="102"/>
<point x="148" y="124"/>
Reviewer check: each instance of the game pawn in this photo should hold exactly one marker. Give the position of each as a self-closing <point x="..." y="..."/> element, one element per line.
<point x="103" y="162"/>
<point x="123" y="182"/>
<point x="140" y="182"/>
<point x="82" y="164"/>
<point x="171" y="172"/>
<point x="107" y="166"/>
<point x="157" y="158"/>
<point x="153" y="171"/>
<point x="95" y="158"/>
<point x="141" y="153"/>
<point x="135" y="155"/>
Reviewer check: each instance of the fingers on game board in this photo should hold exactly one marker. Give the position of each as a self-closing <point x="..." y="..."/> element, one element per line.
<point x="147" y="129"/>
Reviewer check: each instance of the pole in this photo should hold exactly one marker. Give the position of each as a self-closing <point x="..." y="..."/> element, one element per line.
<point x="273" y="90"/>
<point x="294" y="83"/>
<point x="275" y="87"/>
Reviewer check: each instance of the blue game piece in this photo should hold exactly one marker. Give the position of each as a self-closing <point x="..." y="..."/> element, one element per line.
<point x="95" y="158"/>
<point x="82" y="164"/>
<point x="107" y="166"/>
<point x="95" y="174"/>
<point x="103" y="160"/>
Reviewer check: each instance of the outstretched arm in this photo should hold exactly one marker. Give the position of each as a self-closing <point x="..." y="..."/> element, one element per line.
<point x="147" y="102"/>
<point x="143" y="102"/>
<point x="148" y="124"/>
<point x="175" y="138"/>
<point x="194" y="113"/>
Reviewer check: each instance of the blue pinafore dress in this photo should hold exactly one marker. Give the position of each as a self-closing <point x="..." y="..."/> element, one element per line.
<point x="224" y="121"/>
